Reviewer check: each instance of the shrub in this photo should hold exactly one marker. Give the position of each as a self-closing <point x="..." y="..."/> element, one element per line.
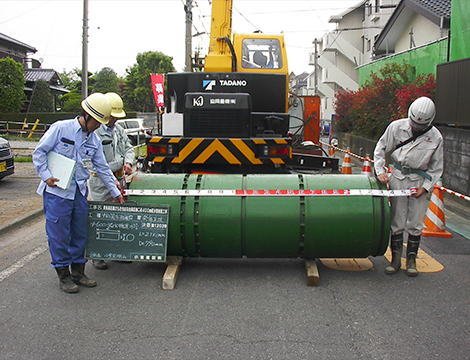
<point x="386" y="97"/>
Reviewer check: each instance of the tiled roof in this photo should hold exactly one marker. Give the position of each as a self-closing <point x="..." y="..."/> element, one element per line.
<point x="40" y="74"/>
<point x="438" y="7"/>
<point x="48" y="75"/>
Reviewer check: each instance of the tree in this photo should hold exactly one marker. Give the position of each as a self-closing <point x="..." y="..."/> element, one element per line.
<point x="72" y="80"/>
<point x="11" y="86"/>
<point x="386" y="97"/>
<point x="138" y="94"/>
<point x="106" y="80"/>
<point x="72" y="102"/>
<point x="41" y="100"/>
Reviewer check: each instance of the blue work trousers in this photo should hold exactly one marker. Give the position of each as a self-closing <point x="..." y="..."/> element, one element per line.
<point x="66" y="228"/>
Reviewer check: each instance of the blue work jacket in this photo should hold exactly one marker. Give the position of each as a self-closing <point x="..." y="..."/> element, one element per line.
<point x="66" y="138"/>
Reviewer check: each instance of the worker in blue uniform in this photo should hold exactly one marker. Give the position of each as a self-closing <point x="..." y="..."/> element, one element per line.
<point x="66" y="210"/>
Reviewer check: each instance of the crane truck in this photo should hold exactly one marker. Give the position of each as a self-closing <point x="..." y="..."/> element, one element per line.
<point x="232" y="117"/>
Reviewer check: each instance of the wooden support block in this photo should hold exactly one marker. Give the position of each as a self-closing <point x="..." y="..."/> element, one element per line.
<point x="313" y="277"/>
<point x="174" y="260"/>
<point x="171" y="273"/>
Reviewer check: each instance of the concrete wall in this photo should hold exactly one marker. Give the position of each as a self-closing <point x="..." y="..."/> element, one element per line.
<point x="358" y="145"/>
<point x="457" y="159"/>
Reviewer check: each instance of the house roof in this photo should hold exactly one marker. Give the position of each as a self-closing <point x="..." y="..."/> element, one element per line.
<point x="338" y="18"/>
<point x="6" y="39"/>
<point x="436" y="11"/>
<point x="48" y="75"/>
<point x="303" y="76"/>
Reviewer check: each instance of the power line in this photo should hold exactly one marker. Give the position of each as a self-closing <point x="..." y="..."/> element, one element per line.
<point x="24" y="13"/>
<point x="248" y="21"/>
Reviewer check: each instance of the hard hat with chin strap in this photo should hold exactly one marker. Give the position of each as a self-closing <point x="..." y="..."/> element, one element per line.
<point x="422" y="111"/>
<point x="116" y="104"/>
<point x="98" y="107"/>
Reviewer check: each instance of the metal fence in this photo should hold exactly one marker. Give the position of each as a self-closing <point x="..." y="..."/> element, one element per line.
<point x="23" y="129"/>
<point x="452" y="93"/>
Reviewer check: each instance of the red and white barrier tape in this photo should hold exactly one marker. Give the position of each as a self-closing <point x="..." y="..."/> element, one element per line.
<point x="371" y="160"/>
<point x="306" y="192"/>
<point x="345" y="151"/>
<point x="454" y="193"/>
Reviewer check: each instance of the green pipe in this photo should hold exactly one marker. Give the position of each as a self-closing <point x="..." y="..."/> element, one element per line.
<point x="270" y="226"/>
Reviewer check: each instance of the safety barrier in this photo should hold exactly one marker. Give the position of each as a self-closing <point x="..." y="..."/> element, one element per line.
<point x="435" y="222"/>
<point x="366" y="169"/>
<point x="346" y="166"/>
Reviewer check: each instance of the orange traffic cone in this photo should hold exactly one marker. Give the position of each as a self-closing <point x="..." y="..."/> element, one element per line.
<point x="346" y="166"/>
<point x="435" y="222"/>
<point x="332" y="150"/>
<point x="366" y="170"/>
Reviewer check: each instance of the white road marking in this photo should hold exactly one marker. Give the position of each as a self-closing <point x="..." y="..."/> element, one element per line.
<point x="22" y="262"/>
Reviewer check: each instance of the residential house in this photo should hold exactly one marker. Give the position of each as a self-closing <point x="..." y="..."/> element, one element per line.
<point x="48" y="75"/>
<point x="17" y="50"/>
<point x="417" y="32"/>
<point x="21" y="53"/>
<point x="298" y="83"/>
<point x="340" y="52"/>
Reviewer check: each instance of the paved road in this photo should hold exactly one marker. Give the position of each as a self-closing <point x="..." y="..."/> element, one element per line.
<point x="232" y="309"/>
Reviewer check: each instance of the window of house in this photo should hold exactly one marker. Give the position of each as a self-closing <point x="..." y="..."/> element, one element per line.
<point x="261" y="54"/>
<point x="377" y="6"/>
<point x="368" y="45"/>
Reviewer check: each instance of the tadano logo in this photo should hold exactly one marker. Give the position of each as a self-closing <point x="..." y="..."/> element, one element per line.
<point x="208" y="84"/>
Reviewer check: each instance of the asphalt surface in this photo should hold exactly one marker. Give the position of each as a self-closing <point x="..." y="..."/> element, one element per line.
<point x="230" y="308"/>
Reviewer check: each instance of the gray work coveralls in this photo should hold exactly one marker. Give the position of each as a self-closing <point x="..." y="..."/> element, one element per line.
<point x="117" y="153"/>
<point x="426" y="153"/>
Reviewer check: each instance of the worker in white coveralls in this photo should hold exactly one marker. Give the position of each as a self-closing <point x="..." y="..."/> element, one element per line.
<point x="417" y="151"/>
<point x="119" y="155"/>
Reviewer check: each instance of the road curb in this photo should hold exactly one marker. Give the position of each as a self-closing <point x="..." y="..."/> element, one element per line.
<point x="20" y="221"/>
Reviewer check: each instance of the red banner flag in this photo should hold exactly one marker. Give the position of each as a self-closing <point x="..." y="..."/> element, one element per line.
<point x="158" y="81"/>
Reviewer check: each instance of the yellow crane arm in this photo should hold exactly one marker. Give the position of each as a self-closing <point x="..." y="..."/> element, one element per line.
<point x="219" y="58"/>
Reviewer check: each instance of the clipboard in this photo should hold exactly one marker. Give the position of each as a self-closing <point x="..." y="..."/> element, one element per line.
<point x="62" y="168"/>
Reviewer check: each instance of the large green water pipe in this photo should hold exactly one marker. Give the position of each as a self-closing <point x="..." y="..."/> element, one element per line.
<point x="270" y="226"/>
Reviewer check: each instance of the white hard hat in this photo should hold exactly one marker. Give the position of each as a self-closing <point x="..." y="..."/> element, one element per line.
<point x="116" y="104"/>
<point x="422" y="111"/>
<point x="98" y="107"/>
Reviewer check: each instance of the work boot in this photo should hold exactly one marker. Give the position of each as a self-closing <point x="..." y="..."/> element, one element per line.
<point x="66" y="283"/>
<point x="396" y="244"/>
<point x="79" y="277"/>
<point x="100" y="264"/>
<point x="411" y="254"/>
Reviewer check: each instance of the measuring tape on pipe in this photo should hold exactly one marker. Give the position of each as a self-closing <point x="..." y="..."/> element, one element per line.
<point x="306" y="192"/>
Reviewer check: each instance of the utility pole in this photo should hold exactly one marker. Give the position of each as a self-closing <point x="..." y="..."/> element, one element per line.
<point x="189" y="23"/>
<point x="85" y="51"/>
<point x="315" y="86"/>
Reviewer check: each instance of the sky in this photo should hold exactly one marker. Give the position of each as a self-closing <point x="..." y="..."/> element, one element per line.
<point x="121" y="29"/>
